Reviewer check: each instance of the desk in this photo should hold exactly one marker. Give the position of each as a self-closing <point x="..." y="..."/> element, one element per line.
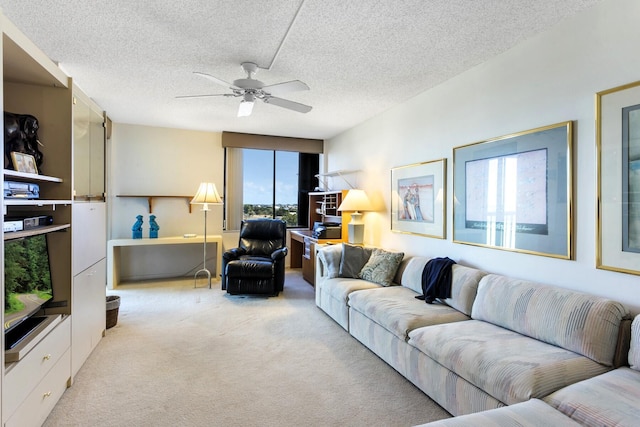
<point x="113" y="252"/>
<point x="303" y="253"/>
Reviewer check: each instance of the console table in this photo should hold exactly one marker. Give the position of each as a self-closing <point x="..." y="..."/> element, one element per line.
<point x="113" y="252"/>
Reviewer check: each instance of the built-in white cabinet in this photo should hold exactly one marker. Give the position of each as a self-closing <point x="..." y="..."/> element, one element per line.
<point x="89" y="280"/>
<point x="37" y="371"/>
<point x="89" y="235"/>
<point x="33" y="386"/>
<point x="88" y="148"/>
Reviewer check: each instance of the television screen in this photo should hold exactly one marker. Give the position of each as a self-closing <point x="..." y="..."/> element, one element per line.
<point x="27" y="278"/>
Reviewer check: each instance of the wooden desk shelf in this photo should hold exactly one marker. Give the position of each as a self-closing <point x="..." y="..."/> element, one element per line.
<point x="150" y="199"/>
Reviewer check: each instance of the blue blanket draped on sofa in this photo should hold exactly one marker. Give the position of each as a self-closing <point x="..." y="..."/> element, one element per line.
<point x="436" y="279"/>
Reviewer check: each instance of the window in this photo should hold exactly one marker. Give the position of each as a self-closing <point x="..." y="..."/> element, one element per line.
<point x="269" y="184"/>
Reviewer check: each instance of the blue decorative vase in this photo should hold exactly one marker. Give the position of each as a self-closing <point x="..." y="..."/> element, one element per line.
<point x="136" y="230"/>
<point x="153" y="227"/>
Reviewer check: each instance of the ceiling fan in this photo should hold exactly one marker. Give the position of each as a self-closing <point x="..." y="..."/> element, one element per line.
<point x="251" y="89"/>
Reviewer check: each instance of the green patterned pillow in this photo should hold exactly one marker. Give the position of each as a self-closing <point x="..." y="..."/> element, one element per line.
<point x="381" y="267"/>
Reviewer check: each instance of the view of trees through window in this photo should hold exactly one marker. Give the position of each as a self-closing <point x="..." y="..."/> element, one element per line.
<point x="270" y="185"/>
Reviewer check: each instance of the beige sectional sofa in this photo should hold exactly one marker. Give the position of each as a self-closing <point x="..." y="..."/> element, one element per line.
<point x="609" y="399"/>
<point x="496" y="341"/>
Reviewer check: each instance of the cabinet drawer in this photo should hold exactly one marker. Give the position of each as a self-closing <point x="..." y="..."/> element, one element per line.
<point x="37" y="406"/>
<point x="309" y="263"/>
<point x="24" y="375"/>
<point x="307" y="248"/>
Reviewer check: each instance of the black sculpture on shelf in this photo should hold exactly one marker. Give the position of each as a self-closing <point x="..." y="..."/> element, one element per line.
<point x="21" y="135"/>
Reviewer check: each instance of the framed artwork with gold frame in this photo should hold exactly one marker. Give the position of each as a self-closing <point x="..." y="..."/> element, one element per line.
<point x="24" y="162"/>
<point x="418" y="199"/>
<point x="515" y="192"/>
<point x="618" y="170"/>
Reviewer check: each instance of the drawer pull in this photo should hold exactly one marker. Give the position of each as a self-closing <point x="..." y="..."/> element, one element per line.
<point x="47" y="394"/>
<point x="47" y="357"/>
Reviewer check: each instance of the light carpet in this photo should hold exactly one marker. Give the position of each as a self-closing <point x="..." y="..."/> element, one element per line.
<point x="181" y="356"/>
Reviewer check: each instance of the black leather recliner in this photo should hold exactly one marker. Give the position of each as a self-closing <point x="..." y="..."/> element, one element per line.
<point x="256" y="266"/>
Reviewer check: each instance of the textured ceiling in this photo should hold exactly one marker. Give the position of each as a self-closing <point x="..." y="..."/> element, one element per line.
<point x="358" y="57"/>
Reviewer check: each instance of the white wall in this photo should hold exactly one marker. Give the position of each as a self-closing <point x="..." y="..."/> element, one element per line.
<point x="545" y="80"/>
<point x="146" y="160"/>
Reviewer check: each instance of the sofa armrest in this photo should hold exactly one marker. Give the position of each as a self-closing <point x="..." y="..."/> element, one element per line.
<point x="621" y="356"/>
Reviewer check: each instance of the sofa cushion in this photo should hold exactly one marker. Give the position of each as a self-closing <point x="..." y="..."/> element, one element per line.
<point x="412" y="273"/>
<point x="464" y="282"/>
<point x="353" y="259"/>
<point x="339" y="288"/>
<point x="330" y="256"/>
<point x="586" y="324"/>
<point x="464" y="286"/>
<point x="610" y="399"/>
<point x="381" y="267"/>
<point x="634" y="352"/>
<point x="508" y="366"/>
<point x="398" y="311"/>
<point x="532" y="413"/>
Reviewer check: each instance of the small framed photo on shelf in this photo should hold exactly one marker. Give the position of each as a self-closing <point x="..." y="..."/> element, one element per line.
<point x="418" y="201"/>
<point x="30" y="164"/>
<point x="24" y="162"/>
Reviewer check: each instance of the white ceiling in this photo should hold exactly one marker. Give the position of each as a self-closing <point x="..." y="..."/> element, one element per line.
<point x="358" y="57"/>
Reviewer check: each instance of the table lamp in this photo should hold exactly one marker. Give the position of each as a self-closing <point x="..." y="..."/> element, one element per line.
<point x="355" y="201"/>
<point x="207" y="194"/>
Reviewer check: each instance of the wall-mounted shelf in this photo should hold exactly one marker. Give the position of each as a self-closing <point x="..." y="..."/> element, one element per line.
<point x="150" y="199"/>
<point x="339" y="174"/>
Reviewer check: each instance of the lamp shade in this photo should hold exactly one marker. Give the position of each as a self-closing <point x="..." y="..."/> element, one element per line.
<point x="355" y="201"/>
<point x="207" y="193"/>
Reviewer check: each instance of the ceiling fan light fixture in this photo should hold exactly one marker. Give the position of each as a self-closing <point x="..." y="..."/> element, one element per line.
<point x="246" y="105"/>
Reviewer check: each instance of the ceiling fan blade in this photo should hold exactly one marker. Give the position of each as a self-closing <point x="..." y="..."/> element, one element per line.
<point x="216" y="80"/>
<point x="285" y="87"/>
<point x="205" y="96"/>
<point x="285" y="103"/>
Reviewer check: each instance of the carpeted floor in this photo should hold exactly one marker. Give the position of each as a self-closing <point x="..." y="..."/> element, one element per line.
<point x="181" y="356"/>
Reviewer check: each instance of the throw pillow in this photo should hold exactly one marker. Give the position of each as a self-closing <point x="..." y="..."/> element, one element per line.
<point x="381" y="267"/>
<point x="330" y="256"/>
<point x="634" y="352"/>
<point x="353" y="259"/>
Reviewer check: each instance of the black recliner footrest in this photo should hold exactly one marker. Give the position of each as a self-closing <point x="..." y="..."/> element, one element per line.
<point x="250" y="268"/>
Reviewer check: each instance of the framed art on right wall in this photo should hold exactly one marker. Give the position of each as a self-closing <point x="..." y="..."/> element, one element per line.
<point x="618" y="170"/>
<point x="514" y="192"/>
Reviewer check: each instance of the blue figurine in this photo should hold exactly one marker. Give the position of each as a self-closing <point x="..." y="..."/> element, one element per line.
<point x="137" y="228"/>
<point x="153" y="227"/>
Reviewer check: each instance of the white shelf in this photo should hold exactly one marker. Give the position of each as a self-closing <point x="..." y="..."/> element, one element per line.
<point x="34" y="231"/>
<point x="339" y="174"/>
<point x="31" y="177"/>
<point x="35" y="202"/>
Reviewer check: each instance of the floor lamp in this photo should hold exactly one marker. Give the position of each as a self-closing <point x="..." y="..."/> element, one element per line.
<point x="207" y="194"/>
<point x="355" y="201"/>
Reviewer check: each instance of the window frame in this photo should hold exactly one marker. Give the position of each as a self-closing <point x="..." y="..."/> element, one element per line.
<point x="308" y="168"/>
